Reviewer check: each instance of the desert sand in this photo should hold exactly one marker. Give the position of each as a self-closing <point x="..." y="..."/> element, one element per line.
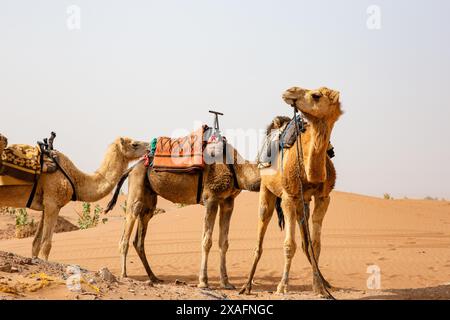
<point x="409" y="240"/>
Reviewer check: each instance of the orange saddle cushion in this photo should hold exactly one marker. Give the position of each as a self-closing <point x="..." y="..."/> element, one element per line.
<point x="180" y="155"/>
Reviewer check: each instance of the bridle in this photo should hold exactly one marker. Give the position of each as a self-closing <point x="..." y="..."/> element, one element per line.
<point x="300" y="128"/>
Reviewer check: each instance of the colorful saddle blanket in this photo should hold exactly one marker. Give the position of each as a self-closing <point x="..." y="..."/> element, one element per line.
<point x="180" y="155"/>
<point x="22" y="162"/>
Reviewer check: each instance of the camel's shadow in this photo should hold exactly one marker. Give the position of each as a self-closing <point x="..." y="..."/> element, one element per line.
<point x="268" y="284"/>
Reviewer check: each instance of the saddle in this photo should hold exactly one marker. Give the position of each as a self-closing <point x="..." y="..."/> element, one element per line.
<point x="181" y="155"/>
<point x="21" y="162"/>
<point x="280" y="138"/>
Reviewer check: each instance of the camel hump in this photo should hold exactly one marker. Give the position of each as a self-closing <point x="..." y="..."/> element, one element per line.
<point x="277" y="123"/>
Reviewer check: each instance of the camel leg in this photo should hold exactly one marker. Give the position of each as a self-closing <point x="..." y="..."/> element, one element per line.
<point x="266" y="207"/>
<point x="130" y="219"/>
<point x="289" y="206"/>
<point x="38" y="238"/>
<point x="226" y="210"/>
<point x="208" y="227"/>
<point x="51" y="212"/>
<point x="140" y="240"/>
<point x="320" y="209"/>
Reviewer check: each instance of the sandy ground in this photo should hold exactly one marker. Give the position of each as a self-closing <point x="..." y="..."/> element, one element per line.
<point x="409" y="240"/>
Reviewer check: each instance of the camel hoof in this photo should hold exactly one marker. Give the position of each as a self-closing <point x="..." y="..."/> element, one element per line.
<point x="227" y="286"/>
<point x="320" y="291"/>
<point x="203" y="285"/>
<point x="246" y="290"/>
<point x="156" y="280"/>
<point x="282" y="289"/>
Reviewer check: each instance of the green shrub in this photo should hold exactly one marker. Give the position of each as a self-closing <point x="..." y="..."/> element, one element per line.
<point x="22" y="218"/>
<point x="387" y="196"/>
<point x="88" y="219"/>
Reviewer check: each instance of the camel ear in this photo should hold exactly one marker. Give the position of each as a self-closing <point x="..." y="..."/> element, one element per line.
<point x="122" y="141"/>
<point x="335" y="96"/>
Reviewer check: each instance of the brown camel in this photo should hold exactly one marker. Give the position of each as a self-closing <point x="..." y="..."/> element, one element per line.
<point x="322" y="109"/>
<point x="219" y="191"/>
<point x="54" y="190"/>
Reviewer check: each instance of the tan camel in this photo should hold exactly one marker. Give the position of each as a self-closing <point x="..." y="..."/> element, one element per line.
<point x="54" y="190"/>
<point x="3" y="143"/>
<point x="219" y="192"/>
<point x="322" y="109"/>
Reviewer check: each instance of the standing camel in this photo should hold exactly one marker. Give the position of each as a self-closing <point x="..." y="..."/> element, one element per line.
<point x="3" y="143"/>
<point x="220" y="191"/>
<point x="322" y="109"/>
<point x="54" y="190"/>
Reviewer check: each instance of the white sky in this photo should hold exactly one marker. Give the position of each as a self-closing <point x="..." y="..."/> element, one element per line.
<point x="146" y="68"/>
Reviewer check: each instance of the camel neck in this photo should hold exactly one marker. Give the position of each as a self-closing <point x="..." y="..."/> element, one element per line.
<point x="315" y="151"/>
<point x="93" y="187"/>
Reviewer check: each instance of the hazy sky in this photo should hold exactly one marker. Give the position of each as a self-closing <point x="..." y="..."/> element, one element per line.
<point x="145" y="68"/>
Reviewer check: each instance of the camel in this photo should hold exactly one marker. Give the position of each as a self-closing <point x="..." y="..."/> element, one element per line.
<point x="54" y="190"/>
<point x="321" y="108"/>
<point x="3" y="143"/>
<point x="219" y="191"/>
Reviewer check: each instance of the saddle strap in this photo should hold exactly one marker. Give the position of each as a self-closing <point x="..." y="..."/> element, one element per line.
<point x="74" y="194"/>
<point x="36" y="181"/>
<point x="200" y="187"/>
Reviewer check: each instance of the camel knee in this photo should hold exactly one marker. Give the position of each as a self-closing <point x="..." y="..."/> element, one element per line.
<point x="224" y="246"/>
<point x="264" y="212"/>
<point x="258" y="252"/>
<point x="289" y="248"/>
<point x="207" y="244"/>
<point x="123" y="247"/>
<point x="137" y="208"/>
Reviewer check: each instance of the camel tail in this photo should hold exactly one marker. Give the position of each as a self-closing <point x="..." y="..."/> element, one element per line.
<point x="113" y="201"/>
<point x="279" y="213"/>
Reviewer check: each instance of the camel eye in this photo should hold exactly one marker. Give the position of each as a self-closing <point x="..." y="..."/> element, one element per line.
<point x="135" y="145"/>
<point x="316" y="96"/>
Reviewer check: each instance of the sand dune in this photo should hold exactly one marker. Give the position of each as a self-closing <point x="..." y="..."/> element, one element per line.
<point x="408" y="239"/>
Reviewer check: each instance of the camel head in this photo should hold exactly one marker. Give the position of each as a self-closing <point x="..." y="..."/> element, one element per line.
<point x="132" y="149"/>
<point x="3" y="142"/>
<point x="322" y="103"/>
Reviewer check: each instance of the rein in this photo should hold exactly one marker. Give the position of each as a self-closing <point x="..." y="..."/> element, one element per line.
<point x="299" y="127"/>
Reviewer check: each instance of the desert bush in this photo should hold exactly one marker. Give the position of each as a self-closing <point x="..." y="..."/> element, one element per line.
<point x="88" y="219"/>
<point x="22" y="218"/>
<point x="387" y="196"/>
<point x="8" y="210"/>
<point x="24" y="226"/>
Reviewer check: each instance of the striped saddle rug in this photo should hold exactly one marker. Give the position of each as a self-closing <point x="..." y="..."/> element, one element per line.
<point x="180" y="155"/>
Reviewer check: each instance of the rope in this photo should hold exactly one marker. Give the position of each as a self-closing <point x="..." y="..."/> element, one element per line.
<point x="306" y="212"/>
